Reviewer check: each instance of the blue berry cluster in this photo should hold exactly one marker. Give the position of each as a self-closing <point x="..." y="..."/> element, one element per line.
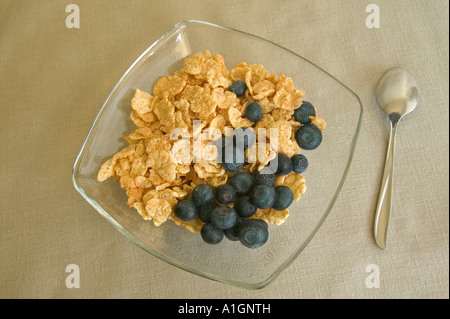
<point x="235" y="223"/>
<point x="308" y="136"/>
<point x="248" y="193"/>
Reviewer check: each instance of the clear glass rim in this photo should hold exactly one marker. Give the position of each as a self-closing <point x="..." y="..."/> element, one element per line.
<point x="175" y="262"/>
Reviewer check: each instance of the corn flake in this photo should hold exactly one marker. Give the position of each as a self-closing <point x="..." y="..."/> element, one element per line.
<point x="296" y="183"/>
<point x="107" y="168"/>
<point x="158" y="209"/>
<point x="168" y="86"/>
<point x="236" y="119"/>
<point x="272" y="216"/>
<point x="164" y="111"/>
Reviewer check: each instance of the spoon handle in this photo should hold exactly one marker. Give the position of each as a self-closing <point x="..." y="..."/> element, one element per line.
<point x="384" y="205"/>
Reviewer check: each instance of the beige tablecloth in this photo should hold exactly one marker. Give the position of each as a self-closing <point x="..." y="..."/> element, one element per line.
<point x="53" y="80"/>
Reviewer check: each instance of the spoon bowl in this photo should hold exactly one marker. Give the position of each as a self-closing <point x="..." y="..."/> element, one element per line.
<point x="397" y="92"/>
<point x="397" y="95"/>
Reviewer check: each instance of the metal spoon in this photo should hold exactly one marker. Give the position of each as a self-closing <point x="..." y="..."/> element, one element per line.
<point x="397" y="95"/>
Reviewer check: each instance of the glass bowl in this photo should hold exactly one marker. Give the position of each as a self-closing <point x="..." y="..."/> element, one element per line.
<point x="227" y="262"/>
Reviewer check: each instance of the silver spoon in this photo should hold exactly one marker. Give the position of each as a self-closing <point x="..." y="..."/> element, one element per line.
<point x="397" y="95"/>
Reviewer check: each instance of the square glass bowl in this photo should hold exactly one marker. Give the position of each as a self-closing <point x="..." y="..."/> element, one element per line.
<point x="228" y="262"/>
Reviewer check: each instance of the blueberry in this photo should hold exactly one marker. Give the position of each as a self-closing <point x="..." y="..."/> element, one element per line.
<point x="233" y="232"/>
<point x="308" y="137"/>
<point x="186" y="210"/>
<point x="263" y="223"/>
<point x="303" y="112"/>
<point x="223" y="217"/>
<point x="253" y="112"/>
<point x="299" y="162"/>
<point x="233" y="158"/>
<point x="225" y="194"/>
<point x="246" y="197"/>
<point x="202" y="194"/>
<point x="284" y="164"/>
<point x="244" y="137"/>
<point x="264" y="177"/>
<point x="253" y="233"/>
<point x="238" y="88"/>
<point x="204" y="211"/>
<point x="263" y="196"/>
<point x="284" y="197"/>
<point x="211" y="234"/>
<point x="242" y="182"/>
<point x="244" y="207"/>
